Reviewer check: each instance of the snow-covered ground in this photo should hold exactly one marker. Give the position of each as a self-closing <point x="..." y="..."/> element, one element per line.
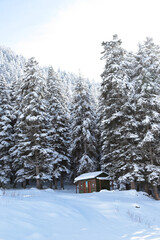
<point x="64" y="215"/>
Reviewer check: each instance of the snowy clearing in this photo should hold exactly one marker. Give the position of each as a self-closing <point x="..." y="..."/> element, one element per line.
<point x="57" y="215"/>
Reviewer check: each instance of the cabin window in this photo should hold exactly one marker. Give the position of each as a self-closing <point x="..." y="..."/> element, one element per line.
<point x="86" y="184"/>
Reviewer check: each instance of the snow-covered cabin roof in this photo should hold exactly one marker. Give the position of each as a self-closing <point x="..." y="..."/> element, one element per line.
<point x="103" y="178"/>
<point x="89" y="175"/>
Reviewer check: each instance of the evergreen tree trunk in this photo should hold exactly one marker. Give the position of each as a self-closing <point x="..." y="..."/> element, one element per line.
<point x="11" y="179"/>
<point x="155" y="192"/>
<point x="112" y="184"/>
<point x="133" y="185"/>
<point x="146" y="187"/>
<point x="62" y="181"/>
<point x="51" y="185"/>
<point x="24" y="184"/>
<point x="15" y="184"/>
<point x="55" y="183"/>
<point x="3" y="185"/>
<point x="38" y="181"/>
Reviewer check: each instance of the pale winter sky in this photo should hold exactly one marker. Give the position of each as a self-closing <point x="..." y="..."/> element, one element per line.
<point x="68" y="33"/>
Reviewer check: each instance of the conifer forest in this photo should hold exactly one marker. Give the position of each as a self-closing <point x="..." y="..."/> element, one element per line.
<point x="55" y="126"/>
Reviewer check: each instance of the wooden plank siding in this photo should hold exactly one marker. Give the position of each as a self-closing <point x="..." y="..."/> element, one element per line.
<point x="87" y="186"/>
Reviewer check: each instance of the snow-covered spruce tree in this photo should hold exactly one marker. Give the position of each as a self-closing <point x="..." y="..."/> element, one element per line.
<point x="148" y="110"/>
<point x="83" y="131"/>
<point x="132" y="171"/>
<point x="15" y="96"/>
<point x="59" y="132"/>
<point x="6" y="133"/>
<point x="118" y="126"/>
<point x="32" y="150"/>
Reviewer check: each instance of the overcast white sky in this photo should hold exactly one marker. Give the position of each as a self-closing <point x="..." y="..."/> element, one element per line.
<point x="68" y="33"/>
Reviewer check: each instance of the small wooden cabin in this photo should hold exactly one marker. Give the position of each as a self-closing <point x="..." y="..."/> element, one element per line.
<point x="92" y="182"/>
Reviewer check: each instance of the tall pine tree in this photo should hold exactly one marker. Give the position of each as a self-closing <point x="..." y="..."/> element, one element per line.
<point x="6" y="133"/>
<point x="83" y="131"/>
<point x="32" y="152"/>
<point x="59" y="132"/>
<point x="118" y="127"/>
